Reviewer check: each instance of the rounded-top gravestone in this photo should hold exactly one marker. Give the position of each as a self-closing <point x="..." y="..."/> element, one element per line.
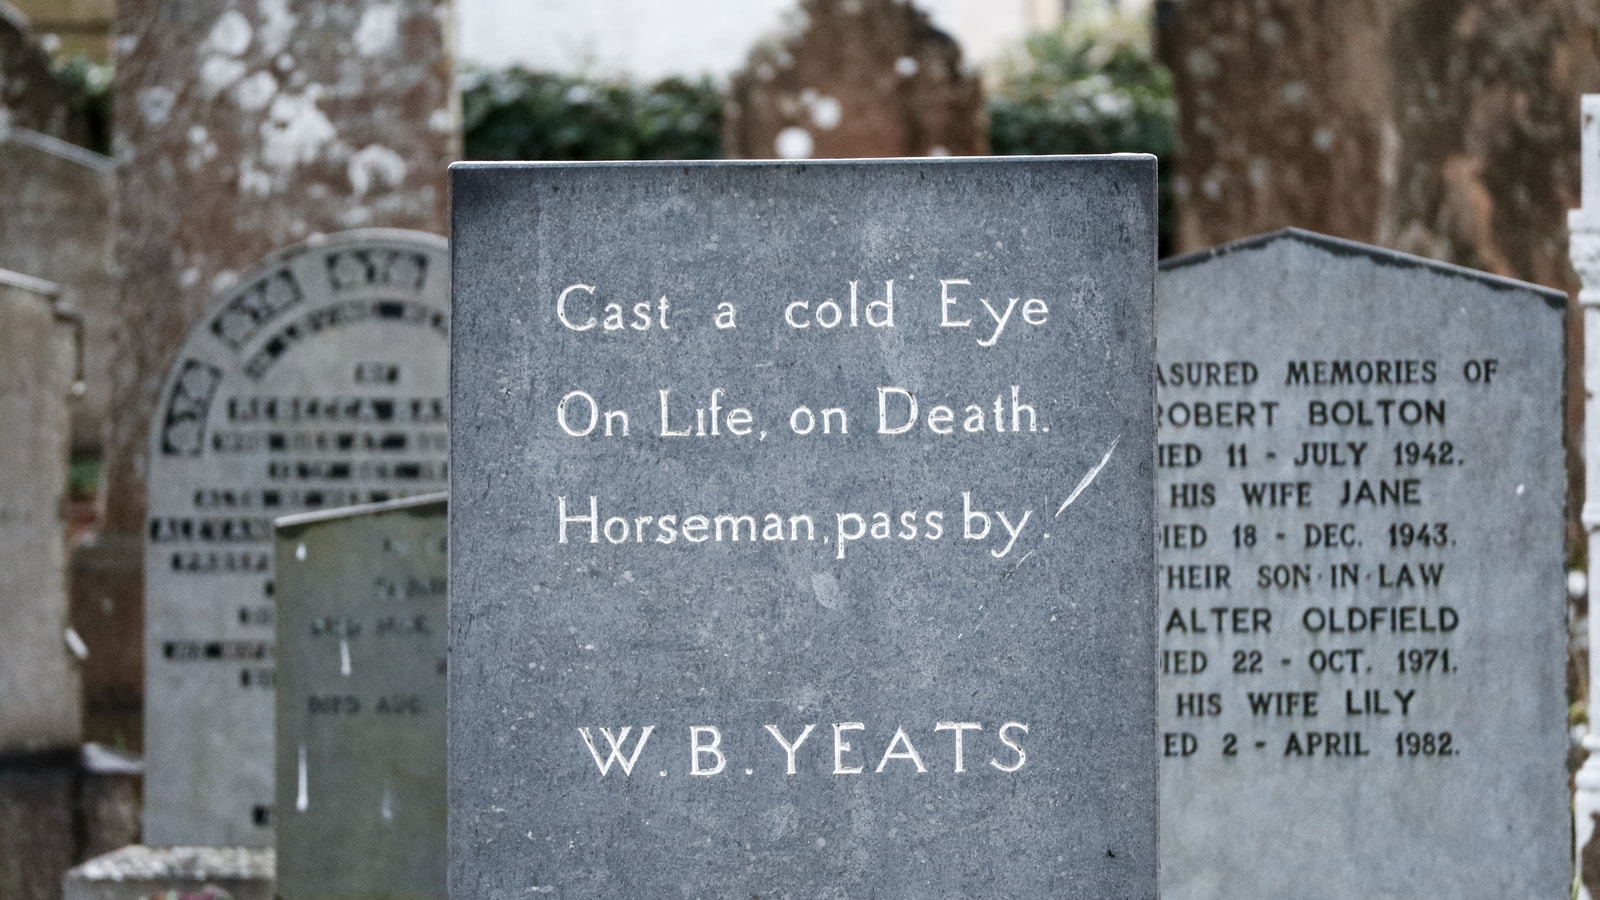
<point x="318" y="380"/>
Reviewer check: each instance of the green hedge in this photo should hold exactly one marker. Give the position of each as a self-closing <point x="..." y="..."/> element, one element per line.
<point x="517" y="114"/>
<point x="1079" y="89"/>
<point x="1091" y="89"/>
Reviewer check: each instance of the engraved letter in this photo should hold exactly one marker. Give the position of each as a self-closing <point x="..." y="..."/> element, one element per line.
<point x="946" y="301"/>
<point x="697" y="749"/>
<point x="909" y="752"/>
<point x="958" y="728"/>
<point x="841" y="747"/>
<point x="593" y="518"/>
<point x="789" y="748"/>
<point x="1022" y="757"/>
<point x="616" y="741"/>
<point x="561" y="308"/>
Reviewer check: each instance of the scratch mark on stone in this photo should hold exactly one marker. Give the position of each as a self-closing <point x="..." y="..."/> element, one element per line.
<point x="1088" y="478"/>
<point x="302" y="796"/>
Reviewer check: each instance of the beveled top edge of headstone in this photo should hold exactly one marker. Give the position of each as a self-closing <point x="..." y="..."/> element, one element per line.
<point x="1337" y="246"/>
<point x="138" y="862"/>
<point x="324" y="241"/>
<point x="54" y="146"/>
<point x="473" y="165"/>
<point x="29" y="283"/>
<point x="14" y="17"/>
<point x="296" y="520"/>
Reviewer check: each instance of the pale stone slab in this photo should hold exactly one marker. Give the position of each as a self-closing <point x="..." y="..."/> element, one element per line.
<point x="38" y="672"/>
<point x="1363" y="632"/>
<point x="142" y="873"/>
<point x="318" y="381"/>
<point x="362" y="614"/>
<point x="951" y="628"/>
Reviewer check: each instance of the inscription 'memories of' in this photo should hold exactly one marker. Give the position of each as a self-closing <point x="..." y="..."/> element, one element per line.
<point x="318" y="382"/>
<point x="804" y="497"/>
<point x="1362" y="617"/>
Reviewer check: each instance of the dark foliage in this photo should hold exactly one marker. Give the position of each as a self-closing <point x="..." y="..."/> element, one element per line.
<point x="1087" y="90"/>
<point x="517" y="114"/>
<point x="87" y="86"/>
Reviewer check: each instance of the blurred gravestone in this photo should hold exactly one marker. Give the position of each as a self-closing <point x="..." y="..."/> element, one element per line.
<point x="39" y="717"/>
<point x="242" y="129"/>
<point x="318" y="381"/>
<point x="361" y="693"/>
<point x="786" y="569"/>
<point x="38" y="366"/>
<point x="57" y="226"/>
<point x="30" y="95"/>
<point x="856" y="78"/>
<point x="1363" y="609"/>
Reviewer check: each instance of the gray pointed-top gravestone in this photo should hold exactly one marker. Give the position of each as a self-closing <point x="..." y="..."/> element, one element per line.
<point x="802" y="541"/>
<point x="318" y="380"/>
<point x="362" y="609"/>
<point x="1363" y="643"/>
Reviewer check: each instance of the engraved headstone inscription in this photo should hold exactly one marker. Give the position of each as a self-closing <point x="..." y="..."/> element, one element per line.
<point x="360" y="702"/>
<point x="1362" y="623"/>
<point x="317" y="381"/>
<point x="802" y="538"/>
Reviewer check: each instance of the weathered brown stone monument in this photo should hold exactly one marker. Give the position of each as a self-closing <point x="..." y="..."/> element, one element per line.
<point x="856" y="78"/>
<point x="243" y="129"/>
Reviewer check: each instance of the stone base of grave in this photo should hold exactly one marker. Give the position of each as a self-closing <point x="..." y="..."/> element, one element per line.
<point x="58" y="807"/>
<point x="150" y="873"/>
<point x="37" y="794"/>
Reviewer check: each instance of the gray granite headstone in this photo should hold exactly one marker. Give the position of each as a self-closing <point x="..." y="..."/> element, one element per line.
<point x="317" y="381"/>
<point x="1363" y="648"/>
<point x="362" y="612"/>
<point x="802" y="531"/>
